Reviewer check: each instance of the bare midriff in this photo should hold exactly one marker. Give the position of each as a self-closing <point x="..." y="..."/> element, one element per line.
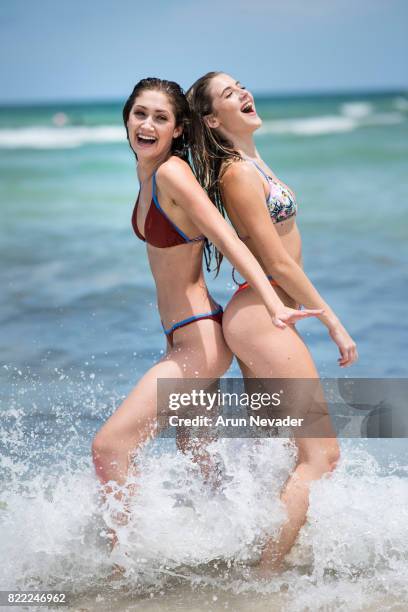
<point x="291" y="240"/>
<point x="180" y="284"/>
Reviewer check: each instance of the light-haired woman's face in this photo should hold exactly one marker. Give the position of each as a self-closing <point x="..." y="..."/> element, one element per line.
<point x="233" y="106"/>
<point x="152" y="124"/>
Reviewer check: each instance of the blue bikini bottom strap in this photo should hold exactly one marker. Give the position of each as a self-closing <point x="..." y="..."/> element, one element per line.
<point x="171" y="329"/>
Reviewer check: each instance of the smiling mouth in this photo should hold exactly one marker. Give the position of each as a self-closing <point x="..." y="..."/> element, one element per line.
<point x="145" y="140"/>
<point x="248" y="108"/>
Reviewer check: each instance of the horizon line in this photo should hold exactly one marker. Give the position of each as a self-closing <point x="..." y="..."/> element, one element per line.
<point x="329" y="93"/>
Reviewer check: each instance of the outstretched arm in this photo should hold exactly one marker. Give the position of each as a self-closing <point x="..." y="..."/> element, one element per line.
<point x="243" y="192"/>
<point x="177" y="179"/>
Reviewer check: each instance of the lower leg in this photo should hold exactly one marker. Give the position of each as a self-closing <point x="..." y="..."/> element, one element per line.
<point x="316" y="456"/>
<point x="115" y="471"/>
<point x="295" y="498"/>
<point x="209" y="463"/>
<point x="203" y="350"/>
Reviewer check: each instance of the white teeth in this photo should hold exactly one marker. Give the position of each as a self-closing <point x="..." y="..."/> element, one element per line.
<point x="147" y="138"/>
<point x="247" y="107"/>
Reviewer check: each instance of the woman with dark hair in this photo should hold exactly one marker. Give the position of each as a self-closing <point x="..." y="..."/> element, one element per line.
<point x="173" y="215"/>
<point x="262" y="209"/>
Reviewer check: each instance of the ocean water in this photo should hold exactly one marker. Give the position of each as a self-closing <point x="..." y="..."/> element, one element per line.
<point x="79" y="326"/>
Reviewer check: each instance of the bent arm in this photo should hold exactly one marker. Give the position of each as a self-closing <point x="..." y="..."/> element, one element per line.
<point x="182" y="187"/>
<point x="243" y="192"/>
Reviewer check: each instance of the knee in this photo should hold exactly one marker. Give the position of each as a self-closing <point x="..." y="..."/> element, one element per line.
<point x="324" y="459"/>
<point x="330" y="457"/>
<point x="106" y="446"/>
<point x="111" y="443"/>
<point x="101" y="446"/>
<point x="335" y="458"/>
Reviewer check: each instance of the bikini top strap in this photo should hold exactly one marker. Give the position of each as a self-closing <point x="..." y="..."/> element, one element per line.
<point x="154" y="188"/>
<point x="268" y="178"/>
<point x="260" y="169"/>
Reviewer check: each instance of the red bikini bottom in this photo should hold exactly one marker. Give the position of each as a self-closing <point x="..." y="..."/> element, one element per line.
<point x="245" y="285"/>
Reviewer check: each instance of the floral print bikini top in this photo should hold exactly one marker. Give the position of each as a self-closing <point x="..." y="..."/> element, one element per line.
<point x="281" y="202"/>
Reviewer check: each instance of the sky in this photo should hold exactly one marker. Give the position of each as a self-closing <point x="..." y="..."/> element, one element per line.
<point x="98" y="49"/>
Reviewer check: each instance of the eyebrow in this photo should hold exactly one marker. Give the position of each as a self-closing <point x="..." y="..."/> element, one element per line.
<point x="157" y="110"/>
<point x="228" y="87"/>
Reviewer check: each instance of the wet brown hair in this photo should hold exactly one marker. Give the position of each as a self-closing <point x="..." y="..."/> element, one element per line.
<point x="210" y="152"/>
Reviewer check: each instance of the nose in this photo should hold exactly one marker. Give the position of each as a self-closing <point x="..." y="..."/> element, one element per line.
<point x="148" y="122"/>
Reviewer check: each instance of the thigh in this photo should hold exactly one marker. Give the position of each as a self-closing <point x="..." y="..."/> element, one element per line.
<point x="196" y="353"/>
<point x="268" y="353"/>
<point x="263" y="349"/>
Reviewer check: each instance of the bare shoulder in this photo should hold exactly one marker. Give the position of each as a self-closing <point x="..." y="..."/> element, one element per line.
<point x="173" y="170"/>
<point x="239" y="170"/>
<point x="239" y="174"/>
<point x="177" y="180"/>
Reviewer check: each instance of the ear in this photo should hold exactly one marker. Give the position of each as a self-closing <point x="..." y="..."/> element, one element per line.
<point x="178" y="131"/>
<point x="211" y="121"/>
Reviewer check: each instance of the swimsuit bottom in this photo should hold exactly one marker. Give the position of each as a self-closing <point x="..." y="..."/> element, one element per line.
<point x="245" y="285"/>
<point x="215" y="315"/>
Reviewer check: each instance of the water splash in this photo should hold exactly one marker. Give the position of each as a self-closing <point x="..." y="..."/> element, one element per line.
<point x="184" y="536"/>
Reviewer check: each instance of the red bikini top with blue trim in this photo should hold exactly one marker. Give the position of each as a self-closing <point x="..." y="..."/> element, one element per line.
<point x="159" y="229"/>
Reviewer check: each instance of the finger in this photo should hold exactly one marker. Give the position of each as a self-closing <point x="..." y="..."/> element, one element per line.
<point x="303" y="314"/>
<point x="295" y="317"/>
<point x="353" y="353"/>
<point x="350" y="356"/>
<point x="278" y="323"/>
<point x="306" y="314"/>
<point x="313" y="311"/>
<point x="342" y="360"/>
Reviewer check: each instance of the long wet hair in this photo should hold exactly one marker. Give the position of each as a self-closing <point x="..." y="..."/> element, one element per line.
<point x="182" y="145"/>
<point x="210" y="152"/>
<point x="181" y="109"/>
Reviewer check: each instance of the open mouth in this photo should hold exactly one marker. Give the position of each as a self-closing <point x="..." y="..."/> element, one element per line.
<point x="145" y="140"/>
<point x="247" y="108"/>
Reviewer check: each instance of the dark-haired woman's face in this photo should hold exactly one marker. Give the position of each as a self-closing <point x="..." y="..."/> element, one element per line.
<point x="152" y="125"/>
<point x="233" y="106"/>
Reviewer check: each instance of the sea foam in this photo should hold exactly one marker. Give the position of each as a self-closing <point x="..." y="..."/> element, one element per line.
<point x="353" y="117"/>
<point x="54" y="529"/>
<point x="42" y="137"/>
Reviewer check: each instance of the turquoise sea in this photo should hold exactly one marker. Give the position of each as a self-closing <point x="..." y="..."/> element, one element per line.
<point x="79" y="326"/>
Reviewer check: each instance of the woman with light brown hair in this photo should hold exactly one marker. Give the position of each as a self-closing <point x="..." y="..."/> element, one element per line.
<point x="262" y="210"/>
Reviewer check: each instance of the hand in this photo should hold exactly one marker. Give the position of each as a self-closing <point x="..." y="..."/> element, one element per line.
<point x="289" y="316"/>
<point x="346" y="344"/>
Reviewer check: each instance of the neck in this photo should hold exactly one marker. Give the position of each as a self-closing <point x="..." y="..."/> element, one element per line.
<point x="147" y="167"/>
<point x="244" y="144"/>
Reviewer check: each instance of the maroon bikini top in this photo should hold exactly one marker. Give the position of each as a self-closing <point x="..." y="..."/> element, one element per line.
<point x="159" y="229"/>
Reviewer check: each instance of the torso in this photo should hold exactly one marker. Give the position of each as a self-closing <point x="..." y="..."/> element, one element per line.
<point x="176" y="263"/>
<point x="281" y="203"/>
